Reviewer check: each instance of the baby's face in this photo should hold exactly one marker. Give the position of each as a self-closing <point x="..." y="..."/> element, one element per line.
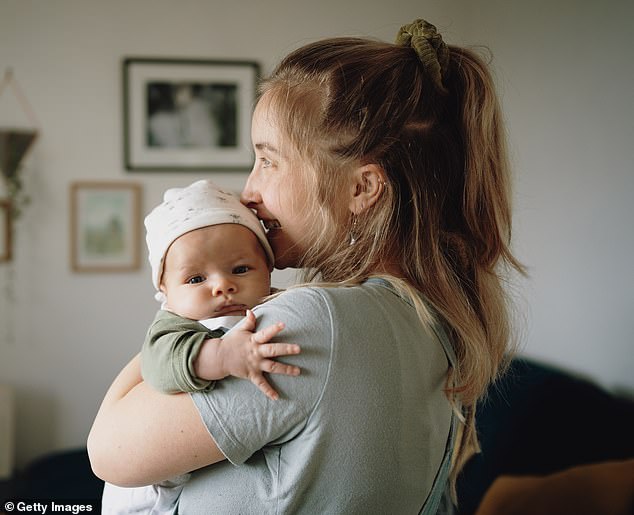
<point x="215" y="271"/>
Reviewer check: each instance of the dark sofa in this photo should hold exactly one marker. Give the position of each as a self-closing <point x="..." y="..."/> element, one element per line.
<point x="539" y="420"/>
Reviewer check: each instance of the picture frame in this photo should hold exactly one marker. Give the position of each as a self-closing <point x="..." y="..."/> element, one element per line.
<point x="6" y="243"/>
<point x="188" y="114"/>
<point x="105" y="226"/>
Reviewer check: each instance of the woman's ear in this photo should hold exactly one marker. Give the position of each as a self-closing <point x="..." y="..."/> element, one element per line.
<point x="368" y="182"/>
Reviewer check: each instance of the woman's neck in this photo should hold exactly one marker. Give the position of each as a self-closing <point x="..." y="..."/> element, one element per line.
<point x="389" y="268"/>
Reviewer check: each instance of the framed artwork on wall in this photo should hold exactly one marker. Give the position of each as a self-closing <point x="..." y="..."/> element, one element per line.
<point x="105" y="221"/>
<point x="5" y="231"/>
<point x="182" y="114"/>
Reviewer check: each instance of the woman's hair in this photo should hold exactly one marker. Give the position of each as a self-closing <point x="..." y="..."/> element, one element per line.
<point x="444" y="216"/>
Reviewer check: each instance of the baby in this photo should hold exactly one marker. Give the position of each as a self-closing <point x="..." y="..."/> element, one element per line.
<point x="211" y="263"/>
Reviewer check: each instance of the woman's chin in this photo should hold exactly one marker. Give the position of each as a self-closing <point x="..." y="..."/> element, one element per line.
<point x="287" y="253"/>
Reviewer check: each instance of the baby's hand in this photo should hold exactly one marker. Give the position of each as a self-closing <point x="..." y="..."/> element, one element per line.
<point x="246" y="354"/>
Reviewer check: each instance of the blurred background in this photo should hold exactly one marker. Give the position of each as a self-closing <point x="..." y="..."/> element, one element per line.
<point x="564" y="71"/>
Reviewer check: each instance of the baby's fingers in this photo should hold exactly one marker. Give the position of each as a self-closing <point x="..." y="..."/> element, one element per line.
<point x="275" y="367"/>
<point x="273" y="350"/>
<point x="264" y="335"/>
<point x="265" y="387"/>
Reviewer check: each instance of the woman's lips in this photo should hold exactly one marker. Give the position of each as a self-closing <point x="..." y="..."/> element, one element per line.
<point x="271" y="224"/>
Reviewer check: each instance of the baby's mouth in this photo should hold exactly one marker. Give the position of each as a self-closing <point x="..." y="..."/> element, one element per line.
<point x="231" y="308"/>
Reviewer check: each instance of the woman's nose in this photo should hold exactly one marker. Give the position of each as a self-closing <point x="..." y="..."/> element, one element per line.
<point x="250" y="195"/>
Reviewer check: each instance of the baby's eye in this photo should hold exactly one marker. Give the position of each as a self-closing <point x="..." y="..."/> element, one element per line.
<point x="242" y="269"/>
<point x="196" y="279"/>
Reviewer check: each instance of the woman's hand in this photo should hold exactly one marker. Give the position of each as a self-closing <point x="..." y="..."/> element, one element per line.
<point x="140" y="436"/>
<point x="246" y="354"/>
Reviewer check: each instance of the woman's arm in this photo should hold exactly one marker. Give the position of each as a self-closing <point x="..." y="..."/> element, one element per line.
<point x="141" y="437"/>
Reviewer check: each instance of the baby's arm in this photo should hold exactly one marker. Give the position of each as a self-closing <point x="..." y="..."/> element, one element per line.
<point x="167" y="357"/>
<point x="246" y="354"/>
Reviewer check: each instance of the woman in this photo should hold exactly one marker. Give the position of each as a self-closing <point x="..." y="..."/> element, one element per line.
<point x="381" y="170"/>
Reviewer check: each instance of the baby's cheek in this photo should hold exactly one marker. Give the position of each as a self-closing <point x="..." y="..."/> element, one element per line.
<point x="190" y="306"/>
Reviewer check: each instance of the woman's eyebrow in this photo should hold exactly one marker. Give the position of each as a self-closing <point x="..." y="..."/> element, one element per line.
<point x="266" y="146"/>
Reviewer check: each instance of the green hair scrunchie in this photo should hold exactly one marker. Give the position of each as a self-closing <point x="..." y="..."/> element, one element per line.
<point x="429" y="46"/>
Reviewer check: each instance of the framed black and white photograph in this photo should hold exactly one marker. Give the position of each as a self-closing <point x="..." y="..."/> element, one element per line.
<point x="188" y="114"/>
<point x="105" y="226"/>
<point x="5" y="230"/>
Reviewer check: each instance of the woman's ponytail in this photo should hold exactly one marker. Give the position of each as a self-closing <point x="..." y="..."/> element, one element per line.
<point x="487" y="206"/>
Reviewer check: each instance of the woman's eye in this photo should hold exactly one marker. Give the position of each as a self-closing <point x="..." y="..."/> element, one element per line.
<point x="242" y="269"/>
<point x="196" y="279"/>
<point x="265" y="162"/>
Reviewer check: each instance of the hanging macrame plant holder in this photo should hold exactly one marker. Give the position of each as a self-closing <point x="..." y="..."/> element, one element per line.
<point x="14" y="145"/>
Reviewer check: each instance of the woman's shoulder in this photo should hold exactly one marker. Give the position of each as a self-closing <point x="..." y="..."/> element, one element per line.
<point x="304" y="307"/>
<point x="300" y="299"/>
<point x="324" y="299"/>
<point x="321" y="293"/>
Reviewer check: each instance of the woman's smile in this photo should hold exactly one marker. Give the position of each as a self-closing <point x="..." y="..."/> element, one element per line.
<point x="271" y="225"/>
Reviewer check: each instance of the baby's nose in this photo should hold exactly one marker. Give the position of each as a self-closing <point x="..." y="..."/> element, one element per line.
<point x="223" y="286"/>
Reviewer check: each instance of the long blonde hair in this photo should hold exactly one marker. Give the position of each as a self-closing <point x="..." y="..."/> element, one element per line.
<point x="444" y="218"/>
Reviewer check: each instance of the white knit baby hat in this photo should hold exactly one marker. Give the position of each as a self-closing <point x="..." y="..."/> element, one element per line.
<point x="198" y="205"/>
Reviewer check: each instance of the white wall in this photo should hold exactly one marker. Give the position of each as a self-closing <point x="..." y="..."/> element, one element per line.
<point x="565" y="71"/>
<point x="63" y="336"/>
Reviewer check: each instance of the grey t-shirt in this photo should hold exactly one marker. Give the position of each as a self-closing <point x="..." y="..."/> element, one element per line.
<point x="363" y="429"/>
